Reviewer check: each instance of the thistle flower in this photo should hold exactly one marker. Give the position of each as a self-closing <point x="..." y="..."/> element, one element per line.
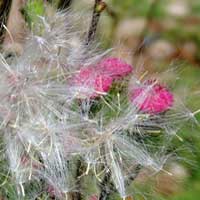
<point x="91" y="83"/>
<point x="114" y="67"/>
<point x="152" y="97"/>
<point x="41" y="118"/>
<point x="96" y="80"/>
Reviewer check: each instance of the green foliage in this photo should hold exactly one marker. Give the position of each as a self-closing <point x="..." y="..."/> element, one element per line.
<point x="33" y="9"/>
<point x="192" y="192"/>
<point x="138" y="8"/>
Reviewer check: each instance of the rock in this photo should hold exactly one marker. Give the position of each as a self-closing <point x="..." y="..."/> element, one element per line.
<point x="189" y="50"/>
<point x="130" y="28"/>
<point x="178" y="8"/>
<point x="161" y="49"/>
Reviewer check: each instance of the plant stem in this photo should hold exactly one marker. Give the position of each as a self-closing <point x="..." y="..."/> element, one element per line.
<point x="106" y="187"/>
<point x="76" y="195"/>
<point x="64" y="4"/>
<point x="134" y="176"/>
<point x="149" y="17"/>
<point x="5" y="6"/>
<point x="99" y="6"/>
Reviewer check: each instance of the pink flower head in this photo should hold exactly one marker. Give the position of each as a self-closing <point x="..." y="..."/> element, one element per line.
<point x="94" y="197"/>
<point x="152" y="98"/>
<point x="114" y="67"/>
<point x="54" y="192"/>
<point x="92" y="83"/>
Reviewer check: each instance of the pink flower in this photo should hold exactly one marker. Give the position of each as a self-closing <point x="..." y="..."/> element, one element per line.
<point x="94" y="197"/>
<point x="114" y="67"/>
<point x="53" y="192"/>
<point x="91" y="82"/>
<point x="152" y="98"/>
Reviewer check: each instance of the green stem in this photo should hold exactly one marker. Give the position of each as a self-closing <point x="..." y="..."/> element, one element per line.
<point x="149" y="17"/>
